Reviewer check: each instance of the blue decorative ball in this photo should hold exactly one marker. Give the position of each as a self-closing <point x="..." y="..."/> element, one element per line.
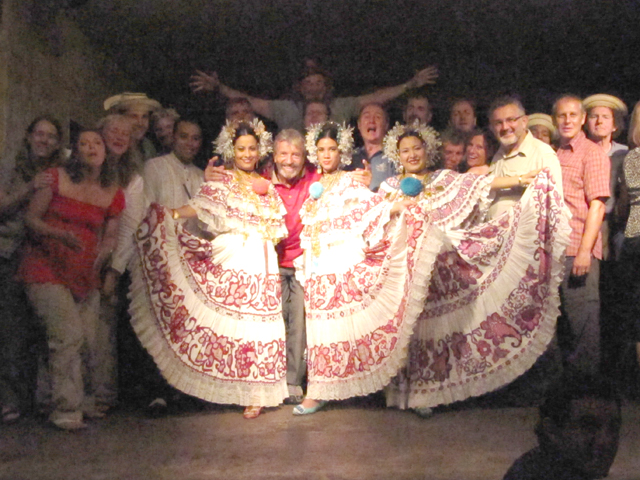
<point x="411" y="187"/>
<point x="315" y="190"/>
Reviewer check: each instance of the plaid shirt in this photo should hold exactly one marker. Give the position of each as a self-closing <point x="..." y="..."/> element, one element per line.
<point x="585" y="177"/>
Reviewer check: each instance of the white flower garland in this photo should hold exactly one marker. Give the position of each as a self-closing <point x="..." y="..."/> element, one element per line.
<point x="345" y="142"/>
<point x="428" y="135"/>
<point x="224" y="143"/>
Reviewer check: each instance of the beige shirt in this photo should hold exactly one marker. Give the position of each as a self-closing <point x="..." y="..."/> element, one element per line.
<point x="531" y="155"/>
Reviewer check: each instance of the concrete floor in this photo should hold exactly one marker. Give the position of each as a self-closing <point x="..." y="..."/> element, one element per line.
<point x="346" y="441"/>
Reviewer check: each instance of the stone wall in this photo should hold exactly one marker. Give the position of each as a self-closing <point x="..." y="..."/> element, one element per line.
<point x="48" y="66"/>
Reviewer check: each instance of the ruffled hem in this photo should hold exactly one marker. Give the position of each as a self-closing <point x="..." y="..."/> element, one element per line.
<point x="478" y="335"/>
<point x="375" y="348"/>
<point x="202" y="346"/>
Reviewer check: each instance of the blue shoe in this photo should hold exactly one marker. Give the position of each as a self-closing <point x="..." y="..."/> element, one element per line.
<point x="300" y="410"/>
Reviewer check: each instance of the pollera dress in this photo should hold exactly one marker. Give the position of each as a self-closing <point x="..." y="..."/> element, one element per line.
<point x="387" y="296"/>
<point x="209" y="312"/>
<point x="493" y="297"/>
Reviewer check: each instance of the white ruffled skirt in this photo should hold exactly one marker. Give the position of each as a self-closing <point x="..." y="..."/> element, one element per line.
<point x="209" y="312"/>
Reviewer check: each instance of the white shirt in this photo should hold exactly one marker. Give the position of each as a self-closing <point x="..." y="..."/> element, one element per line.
<point x="135" y="207"/>
<point x="171" y="183"/>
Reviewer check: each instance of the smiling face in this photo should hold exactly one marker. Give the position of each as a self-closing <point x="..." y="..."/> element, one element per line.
<point x="246" y="153"/>
<point x="600" y="123"/>
<point x="44" y="140"/>
<point x="117" y="136"/>
<point x="569" y="118"/>
<point x="509" y="125"/>
<point x="91" y="149"/>
<point x="289" y="160"/>
<point x="463" y="116"/>
<point x="372" y="124"/>
<point x="328" y="155"/>
<point x="413" y="155"/>
<point x="187" y="141"/>
<point x="476" y="151"/>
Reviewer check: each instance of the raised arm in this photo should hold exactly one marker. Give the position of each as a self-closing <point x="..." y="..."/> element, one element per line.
<point x="423" y="77"/>
<point x="205" y="82"/>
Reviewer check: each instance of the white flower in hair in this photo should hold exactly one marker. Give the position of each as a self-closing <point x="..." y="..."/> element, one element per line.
<point x="224" y="143"/>
<point x="345" y="142"/>
<point x="428" y="135"/>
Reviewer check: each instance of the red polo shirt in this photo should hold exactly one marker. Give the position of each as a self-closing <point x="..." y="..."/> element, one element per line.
<point x="293" y="197"/>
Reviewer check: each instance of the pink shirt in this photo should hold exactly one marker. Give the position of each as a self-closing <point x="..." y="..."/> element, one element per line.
<point x="585" y="177"/>
<point x="293" y="197"/>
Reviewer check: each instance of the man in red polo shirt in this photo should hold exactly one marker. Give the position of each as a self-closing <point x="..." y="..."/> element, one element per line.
<point x="291" y="176"/>
<point x="585" y="180"/>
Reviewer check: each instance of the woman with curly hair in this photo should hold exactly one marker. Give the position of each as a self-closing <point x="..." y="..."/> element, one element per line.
<point x="74" y="225"/>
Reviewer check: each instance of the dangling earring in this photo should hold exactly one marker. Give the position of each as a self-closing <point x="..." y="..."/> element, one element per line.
<point x="319" y="170"/>
<point x="401" y="169"/>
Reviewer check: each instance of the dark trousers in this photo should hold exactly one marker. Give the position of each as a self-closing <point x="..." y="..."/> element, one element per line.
<point x="579" y="322"/>
<point x="293" y="313"/>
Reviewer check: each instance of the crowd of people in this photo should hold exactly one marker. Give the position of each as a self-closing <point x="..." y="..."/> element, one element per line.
<point x="300" y="270"/>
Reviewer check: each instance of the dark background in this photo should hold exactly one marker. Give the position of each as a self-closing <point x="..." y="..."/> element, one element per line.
<point x="536" y="48"/>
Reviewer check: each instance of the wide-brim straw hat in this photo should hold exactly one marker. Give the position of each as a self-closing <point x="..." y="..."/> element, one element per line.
<point x="128" y="98"/>
<point x="605" y="100"/>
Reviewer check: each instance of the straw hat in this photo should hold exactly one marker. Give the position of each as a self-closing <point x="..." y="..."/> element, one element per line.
<point x="604" y="100"/>
<point x="128" y="98"/>
<point x="543" y="120"/>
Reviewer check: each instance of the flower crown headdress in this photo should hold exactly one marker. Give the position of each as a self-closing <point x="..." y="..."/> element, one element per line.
<point x="345" y="142"/>
<point x="224" y="143"/>
<point x="428" y="135"/>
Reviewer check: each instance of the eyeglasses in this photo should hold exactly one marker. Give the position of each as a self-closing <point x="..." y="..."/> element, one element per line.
<point x="506" y="121"/>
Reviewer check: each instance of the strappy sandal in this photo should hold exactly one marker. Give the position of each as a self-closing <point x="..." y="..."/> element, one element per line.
<point x="251" y="412"/>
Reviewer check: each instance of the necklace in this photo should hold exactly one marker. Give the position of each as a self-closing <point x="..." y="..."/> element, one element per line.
<point x="264" y="205"/>
<point x="328" y="181"/>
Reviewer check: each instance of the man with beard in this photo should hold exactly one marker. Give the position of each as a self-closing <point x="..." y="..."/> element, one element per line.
<point x="519" y="151"/>
<point x="417" y="109"/>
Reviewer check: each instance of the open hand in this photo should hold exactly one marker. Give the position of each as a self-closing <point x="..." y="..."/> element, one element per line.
<point x="426" y="76"/>
<point x="204" y="82"/>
